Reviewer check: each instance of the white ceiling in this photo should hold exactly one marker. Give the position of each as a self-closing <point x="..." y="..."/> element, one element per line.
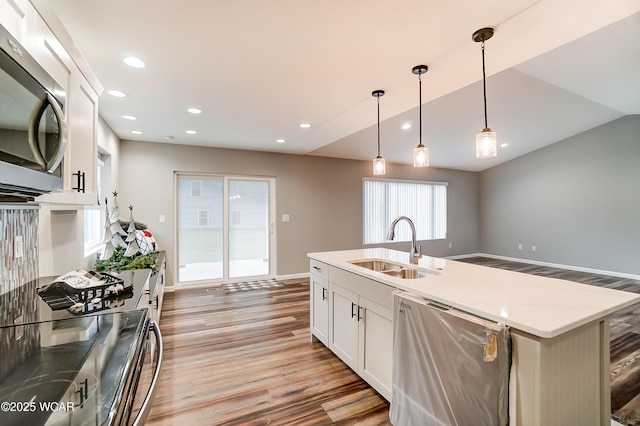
<point x="259" y="68"/>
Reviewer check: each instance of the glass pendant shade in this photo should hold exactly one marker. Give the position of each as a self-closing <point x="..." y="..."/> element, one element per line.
<point x="421" y="156"/>
<point x="379" y="166"/>
<point x="486" y="144"/>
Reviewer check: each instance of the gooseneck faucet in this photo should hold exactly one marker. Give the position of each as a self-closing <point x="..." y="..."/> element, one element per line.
<point x="416" y="251"/>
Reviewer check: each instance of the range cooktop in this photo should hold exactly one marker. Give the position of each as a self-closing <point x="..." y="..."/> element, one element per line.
<point x="30" y="304"/>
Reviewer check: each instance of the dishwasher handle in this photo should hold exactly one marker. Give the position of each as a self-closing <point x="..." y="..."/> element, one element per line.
<point x="145" y="408"/>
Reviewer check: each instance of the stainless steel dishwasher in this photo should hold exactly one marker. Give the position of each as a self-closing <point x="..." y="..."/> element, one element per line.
<point x="449" y="367"/>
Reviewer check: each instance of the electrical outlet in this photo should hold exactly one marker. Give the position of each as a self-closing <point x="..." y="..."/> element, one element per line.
<point x="285" y="218"/>
<point x="19" y="330"/>
<point x="519" y="246"/>
<point x="18" y="247"/>
<point x="533" y="248"/>
<point x="450" y="245"/>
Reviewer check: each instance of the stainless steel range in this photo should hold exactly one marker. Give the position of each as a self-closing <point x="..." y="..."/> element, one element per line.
<point x="61" y="366"/>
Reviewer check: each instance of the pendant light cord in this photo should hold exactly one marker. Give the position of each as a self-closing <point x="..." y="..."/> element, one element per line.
<point x="378" y="125"/>
<point x="420" y="85"/>
<point x="484" y="85"/>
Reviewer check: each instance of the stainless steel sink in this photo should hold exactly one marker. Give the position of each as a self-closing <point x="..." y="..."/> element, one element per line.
<point x="392" y="269"/>
<point x="408" y="273"/>
<point x="377" y="265"/>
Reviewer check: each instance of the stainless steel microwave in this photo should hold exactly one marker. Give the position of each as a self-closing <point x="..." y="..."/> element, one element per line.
<point x="33" y="129"/>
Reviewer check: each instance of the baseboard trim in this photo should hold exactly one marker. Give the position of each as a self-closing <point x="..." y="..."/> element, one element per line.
<point x="292" y="276"/>
<point x="549" y="264"/>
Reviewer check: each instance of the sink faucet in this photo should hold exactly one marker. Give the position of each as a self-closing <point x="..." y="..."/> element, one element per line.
<point x="416" y="251"/>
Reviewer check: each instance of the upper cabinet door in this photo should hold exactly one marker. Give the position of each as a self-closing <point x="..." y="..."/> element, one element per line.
<point x="13" y="16"/>
<point x="47" y="50"/>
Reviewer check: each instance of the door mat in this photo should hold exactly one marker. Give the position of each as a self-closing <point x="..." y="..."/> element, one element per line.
<point x="250" y="285"/>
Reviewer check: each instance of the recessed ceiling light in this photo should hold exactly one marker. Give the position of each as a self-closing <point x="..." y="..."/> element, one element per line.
<point x="406" y="126"/>
<point x="194" y="110"/>
<point x="136" y="132"/>
<point x="117" y="93"/>
<point x="190" y="132"/>
<point x="504" y="145"/>
<point x="280" y="140"/>
<point x="129" y="117"/>
<point x="134" y="62"/>
<point x="305" y="125"/>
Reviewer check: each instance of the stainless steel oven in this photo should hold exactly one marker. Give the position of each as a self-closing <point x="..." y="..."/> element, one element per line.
<point x="62" y="366"/>
<point x="33" y="129"/>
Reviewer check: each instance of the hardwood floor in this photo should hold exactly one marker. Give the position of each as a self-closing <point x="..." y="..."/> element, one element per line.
<point x="247" y="359"/>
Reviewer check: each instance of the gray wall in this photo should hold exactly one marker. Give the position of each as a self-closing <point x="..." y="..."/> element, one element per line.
<point x="323" y="197"/>
<point x="577" y="201"/>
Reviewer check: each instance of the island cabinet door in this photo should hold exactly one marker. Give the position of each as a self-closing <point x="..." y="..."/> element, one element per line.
<point x="375" y="353"/>
<point x="320" y="309"/>
<point x="343" y="331"/>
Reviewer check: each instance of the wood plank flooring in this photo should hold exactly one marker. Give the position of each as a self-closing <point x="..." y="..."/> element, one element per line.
<point x="247" y="359"/>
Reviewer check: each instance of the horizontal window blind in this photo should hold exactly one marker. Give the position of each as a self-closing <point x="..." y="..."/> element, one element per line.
<point x="425" y="203"/>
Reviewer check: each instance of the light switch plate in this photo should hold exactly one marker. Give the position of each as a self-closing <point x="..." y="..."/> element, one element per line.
<point x="19" y="329"/>
<point x="285" y="218"/>
<point x="18" y="247"/>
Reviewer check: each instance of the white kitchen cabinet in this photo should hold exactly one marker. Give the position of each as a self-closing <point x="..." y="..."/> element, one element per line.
<point x="13" y="16"/>
<point x="319" y="303"/>
<point x="80" y="164"/>
<point x="361" y="327"/>
<point x="564" y="380"/>
<point x="80" y="159"/>
<point x="375" y="348"/>
<point x="47" y="50"/>
<point x="344" y="327"/>
<point x="41" y="34"/>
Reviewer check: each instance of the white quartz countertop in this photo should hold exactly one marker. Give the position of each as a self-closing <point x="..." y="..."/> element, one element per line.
<point x="545" y="307"/>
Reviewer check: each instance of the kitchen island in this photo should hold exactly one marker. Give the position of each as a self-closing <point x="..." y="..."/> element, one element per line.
<point x="560" y="330"/>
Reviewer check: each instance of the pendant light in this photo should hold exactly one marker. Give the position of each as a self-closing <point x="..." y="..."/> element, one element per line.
<point x="486" y="141"/>
<point x="421" y="152"/>
<point x="379" y="167"/>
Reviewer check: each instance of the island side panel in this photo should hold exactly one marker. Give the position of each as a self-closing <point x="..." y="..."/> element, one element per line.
<point x="563" y="380"/>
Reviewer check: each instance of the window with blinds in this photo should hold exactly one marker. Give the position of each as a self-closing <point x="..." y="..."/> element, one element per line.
<point x="425" y="203"/>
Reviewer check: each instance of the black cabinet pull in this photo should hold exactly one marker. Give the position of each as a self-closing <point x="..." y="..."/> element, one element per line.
<point x="324" y="293"/>
<point x="80" y="182"/>
<point x="317" y="268"/>
<point x="353" y="314"/>
<point x="359" y="316"/>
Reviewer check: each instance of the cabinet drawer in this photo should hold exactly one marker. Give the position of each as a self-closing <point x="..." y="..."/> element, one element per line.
<point x="320" y="269"/>
<point x="375" y="291"/>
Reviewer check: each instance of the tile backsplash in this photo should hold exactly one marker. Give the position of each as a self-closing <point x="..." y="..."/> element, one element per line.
<point x="18" y="302"/>
<point x="16" y="223"/>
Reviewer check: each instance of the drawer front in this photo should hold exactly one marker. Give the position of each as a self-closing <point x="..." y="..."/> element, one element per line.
<point x="320" y="269"/>
<point x="375" y="291"/>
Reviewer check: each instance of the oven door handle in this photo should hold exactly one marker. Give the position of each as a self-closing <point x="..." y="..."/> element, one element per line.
<point x="142" y="415"/>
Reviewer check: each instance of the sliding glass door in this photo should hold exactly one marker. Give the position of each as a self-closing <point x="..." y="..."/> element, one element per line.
<point x="225" y="228"/>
